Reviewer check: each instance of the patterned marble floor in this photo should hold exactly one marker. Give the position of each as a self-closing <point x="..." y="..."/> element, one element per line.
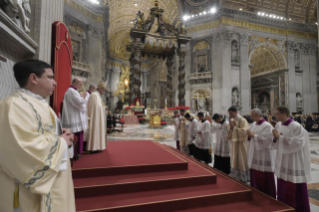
<point x="166" y="136"/>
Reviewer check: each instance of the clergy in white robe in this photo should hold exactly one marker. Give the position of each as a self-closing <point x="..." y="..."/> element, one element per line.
<point x="183" y="131"/>
<point x="96" y="111"/>
<point x="92" y="88"/>
<point x="237" y="130"/>
<point x="222" y="146"/>
<point x="203" y="140"/>
<point x="177" y="129"/>
<point x="260" y="157"/>
<point x="191" y="132"/>
<point x="292" y="165"/>
<point x="35" y="173"/>
<point x="74" y="114"/>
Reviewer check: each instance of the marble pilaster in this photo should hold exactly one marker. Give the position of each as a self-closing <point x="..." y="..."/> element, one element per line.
<point x="244" y="75"/>
<point x="290" y="46"/>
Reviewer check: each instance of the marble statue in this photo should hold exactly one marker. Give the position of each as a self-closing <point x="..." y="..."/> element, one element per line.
<point x="201" y="103"/>
<point x="234" y="52"/>
<point x="265" y="102"/>
<point x="299" y="100"/>
<point x="297" y="59"/>
<point x="17" y="10"/>
<point x="139" y="20"/>
<point x="234" y="98"/>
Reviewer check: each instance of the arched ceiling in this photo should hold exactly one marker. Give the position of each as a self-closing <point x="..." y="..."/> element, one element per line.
<point x="122" y="12"/>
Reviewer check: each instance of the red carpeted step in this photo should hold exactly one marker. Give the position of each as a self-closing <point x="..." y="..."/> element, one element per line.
<point x="260" y="202"/>
<point x="107" y="185"/>
<point x="224" y="191"/>
<point x="127" y="157"/>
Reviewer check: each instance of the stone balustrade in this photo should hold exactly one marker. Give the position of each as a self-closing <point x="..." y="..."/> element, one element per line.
<point x="81" y="69"/>
<point x="199" y="78"/>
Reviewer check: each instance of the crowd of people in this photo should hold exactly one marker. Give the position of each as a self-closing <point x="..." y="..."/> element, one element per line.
<point x="253" y="149"/>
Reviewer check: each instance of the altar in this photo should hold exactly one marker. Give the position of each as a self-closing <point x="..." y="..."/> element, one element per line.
<point x="157" y="116"/>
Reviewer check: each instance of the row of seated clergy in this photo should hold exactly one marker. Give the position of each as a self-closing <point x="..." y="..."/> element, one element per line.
<point x="85" y="114"/>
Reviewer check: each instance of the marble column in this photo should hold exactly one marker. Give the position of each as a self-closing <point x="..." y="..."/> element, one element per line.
<point x="313" y="80"/>
<point x="135" y="75"/>
<point x="306" y="77"/>
<point x="222" y="72"/>
<point x="169" y="88"/>
<point x="244" y="75"/>
<point x="181" y="77"/>
<point x="44" y="13"/>
<point x="292" y="76"/>
<point x="272" y="101"/>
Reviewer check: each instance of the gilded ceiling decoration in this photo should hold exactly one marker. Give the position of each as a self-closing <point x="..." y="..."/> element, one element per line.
<point x="201" y="45"/>
<point x="297" y="10"/>
<point x="266" y="58"/>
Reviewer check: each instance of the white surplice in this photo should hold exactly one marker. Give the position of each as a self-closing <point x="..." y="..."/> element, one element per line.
<point x="260" y="157"/>
<point x="293" y="153"/>
<point x="222" y="146"/>
<point x="177" y="128"/>
<point x="203" y="140"/>
<point x="192" y="131"/>
<point x="74" y="111"/>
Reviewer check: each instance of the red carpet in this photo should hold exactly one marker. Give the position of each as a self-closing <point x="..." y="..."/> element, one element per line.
<point x="194" y="188"/>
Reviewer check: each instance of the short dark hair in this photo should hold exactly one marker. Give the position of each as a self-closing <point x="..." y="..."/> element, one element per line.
<point x="22" y="70"/>
<point x="200" y="114"/>
<point x="283" y="109"/>
<point x="182" y="110"/>
<point x="176" y="111"/>
<point x="232" y="109"/>
<point x="216" y="116"/>
<point x="187" y="115"/>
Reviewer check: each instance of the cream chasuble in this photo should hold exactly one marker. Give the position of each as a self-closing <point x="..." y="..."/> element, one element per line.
<point x="183" y="132"/>
<point x="97" y="124"/>
<point x="31" y="154"/>
<point x="238" y="149"/>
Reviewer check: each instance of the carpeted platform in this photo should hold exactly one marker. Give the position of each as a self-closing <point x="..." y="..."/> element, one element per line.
<point x="197" y="188"/>
<point x="127" y="157"/>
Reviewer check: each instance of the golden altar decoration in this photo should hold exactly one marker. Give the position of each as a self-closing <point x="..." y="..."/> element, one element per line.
<point x="155" y="120"/>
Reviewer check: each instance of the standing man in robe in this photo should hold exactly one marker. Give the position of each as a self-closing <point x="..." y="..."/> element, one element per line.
<point x="292" y="166"/>
<point x="237" y="134"/>
<point x="177" y="129"/>
<point x="222" y="146"/>
<point x="183" y="131"/>
<point x="191" y="133"/>
<point x="35" y="172"/>
<point x="92" y="88"/>
<point x="260" y="157"/>
<point x="96" y="111"/>
<point x="203" y="141"/>
<point x="74" y="113"/>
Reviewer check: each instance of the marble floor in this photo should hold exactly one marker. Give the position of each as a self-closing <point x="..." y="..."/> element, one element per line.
<point x="166" y="136"/>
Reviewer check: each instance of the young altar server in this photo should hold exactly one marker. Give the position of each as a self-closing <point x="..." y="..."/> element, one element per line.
<point x="203" y="141"/>
<point x="35" y="172"/>
<point x="97" y="114"/>
<point x="74" y="113"/>
<point x="237" y="130"/>
<point x="222" y="146"/>
<point x="177" y="129"/>
<point x="191" y="133"/>
<point x="292" y="165"/>
<point x="260" y="157"/>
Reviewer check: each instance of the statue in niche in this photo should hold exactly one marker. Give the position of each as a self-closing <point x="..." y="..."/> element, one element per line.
<point x="299" y="100"/>
<point x="297" y="59"/>
<point x="265" y="101"/>
<point x="17" y="10"/>
<point x="201" y="102"/>
<point x="234" y="52"/>
<point x="76" y="52"/>
<point x="235" y="97"/>
<point x="202" y="63"/>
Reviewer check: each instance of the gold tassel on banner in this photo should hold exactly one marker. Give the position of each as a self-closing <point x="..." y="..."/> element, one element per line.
<point x="16" y="197"/>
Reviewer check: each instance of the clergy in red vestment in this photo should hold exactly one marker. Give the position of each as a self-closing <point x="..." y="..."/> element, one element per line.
<point x="292" y="165"/>
<point x="260" y="157"/>
<point x="74" y="113"/>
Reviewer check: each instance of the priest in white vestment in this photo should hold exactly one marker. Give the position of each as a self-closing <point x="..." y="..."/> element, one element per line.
<point x="177" y="129"/>
<point x="260" y="157"/>
<point x="74" y="114"/>
<point x="191" y="132"/>
<point x="292" y="165"/>
<point x="96" y="111"/>
<point x="222" y="146"/>
<point x="183" y="131"/>
<point x="203" y="141"/>
<point x="35" y="172"/>
<point x="237" y="134"/>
